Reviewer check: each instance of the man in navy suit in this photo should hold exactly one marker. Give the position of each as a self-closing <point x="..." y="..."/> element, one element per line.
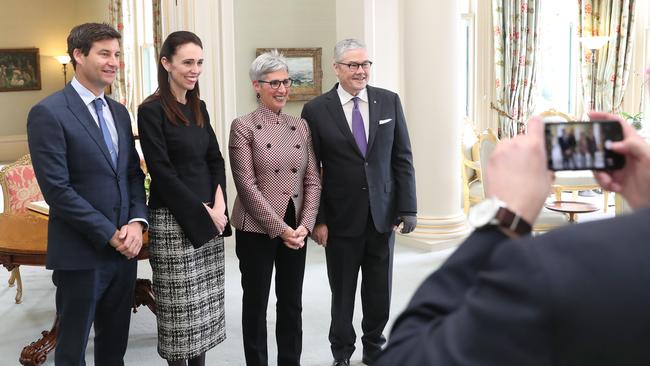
<point x="573" y="296"/>
<point x="88" y="170"/>
<point x="362" y="144"/>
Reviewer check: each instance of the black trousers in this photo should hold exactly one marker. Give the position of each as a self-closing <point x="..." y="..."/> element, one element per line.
<point x="103" y="297"/>
<point x="258" y="254"/>
<point x="372" y="252"/>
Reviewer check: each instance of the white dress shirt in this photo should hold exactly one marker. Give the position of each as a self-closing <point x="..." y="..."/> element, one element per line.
<point x="348" y="104"/>
<point x="88" y="98"/>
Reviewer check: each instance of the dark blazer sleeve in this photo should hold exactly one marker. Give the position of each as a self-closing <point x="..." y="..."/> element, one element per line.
<point x="137" y="196"/>
<point x="306" y="114"/>
<point x="47" y="146"/>
<point x="402" y="165"/>
<point x="187" y="208"/>
<point x="484" y="306"/>
<point x="216" y="163"/>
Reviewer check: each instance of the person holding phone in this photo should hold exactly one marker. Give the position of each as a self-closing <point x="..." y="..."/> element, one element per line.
<point x="573" y="296"/>
<point x="187" y="205"/>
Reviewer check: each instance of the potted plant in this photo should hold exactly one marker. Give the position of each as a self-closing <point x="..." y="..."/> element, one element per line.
<point x="634" y="119"/>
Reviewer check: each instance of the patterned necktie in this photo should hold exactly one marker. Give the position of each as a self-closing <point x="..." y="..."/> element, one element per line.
<point x="358" y="131"/>
<point x="99" y="108"/>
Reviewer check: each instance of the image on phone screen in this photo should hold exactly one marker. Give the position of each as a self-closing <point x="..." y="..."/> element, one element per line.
<point x="583" y="145"/>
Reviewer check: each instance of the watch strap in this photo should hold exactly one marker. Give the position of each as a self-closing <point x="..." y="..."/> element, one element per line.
<point x="506" y="219"/>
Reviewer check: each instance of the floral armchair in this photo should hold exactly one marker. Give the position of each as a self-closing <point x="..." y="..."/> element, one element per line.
<point x="19" y="187"/>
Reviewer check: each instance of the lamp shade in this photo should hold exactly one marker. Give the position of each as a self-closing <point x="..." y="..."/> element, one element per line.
<point x="595" y="43"/>
<point x="63" y="59"/>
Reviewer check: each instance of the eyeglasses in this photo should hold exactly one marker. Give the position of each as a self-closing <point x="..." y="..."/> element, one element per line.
<point x="275" y="84"/>
<point x="353" y="66"/>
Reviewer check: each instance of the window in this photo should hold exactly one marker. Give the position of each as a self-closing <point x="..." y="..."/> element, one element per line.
<point x="139" y="54"/>
<point x="558" y="74"/>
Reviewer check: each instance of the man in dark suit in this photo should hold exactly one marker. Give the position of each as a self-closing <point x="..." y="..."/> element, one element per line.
<point x="574" y="296"/>
<point x="88" y="170"/>
<point x="362" y="144"/>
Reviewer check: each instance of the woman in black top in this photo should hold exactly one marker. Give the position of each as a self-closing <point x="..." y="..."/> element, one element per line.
<point x="187" y="206"/>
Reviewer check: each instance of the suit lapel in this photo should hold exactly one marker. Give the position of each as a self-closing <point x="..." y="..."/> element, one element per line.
<point x="338" y="116"/>
<point x="373" y="113"/>
<point x="80" y="111"/>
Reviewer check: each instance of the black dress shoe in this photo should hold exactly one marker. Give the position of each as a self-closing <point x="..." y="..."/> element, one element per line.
<point x="367" y="360"/>
<point x="344" y="362"/>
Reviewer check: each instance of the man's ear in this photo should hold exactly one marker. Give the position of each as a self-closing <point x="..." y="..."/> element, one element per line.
<point x="78" y="55"/>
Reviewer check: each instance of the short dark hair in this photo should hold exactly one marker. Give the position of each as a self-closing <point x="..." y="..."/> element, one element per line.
<point x="84" y="35"/>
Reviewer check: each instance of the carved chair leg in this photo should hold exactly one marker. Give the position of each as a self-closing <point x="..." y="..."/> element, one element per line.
<point x="12" y="277"/>
<point x="19" y="284"/>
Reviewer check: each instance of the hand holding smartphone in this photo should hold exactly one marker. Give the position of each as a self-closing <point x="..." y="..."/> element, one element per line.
<point x="583" y="145"/>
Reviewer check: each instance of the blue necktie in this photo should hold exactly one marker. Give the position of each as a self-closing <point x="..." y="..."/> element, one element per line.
<point x="358" y="131"/>
<point x="99" y="108"/>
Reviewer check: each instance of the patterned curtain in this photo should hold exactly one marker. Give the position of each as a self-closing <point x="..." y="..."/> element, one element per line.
<point x="516" y="43"/>
<point x="157" y="27"/>
<point x="118" y="89"/>
<point x="614" y="18"/>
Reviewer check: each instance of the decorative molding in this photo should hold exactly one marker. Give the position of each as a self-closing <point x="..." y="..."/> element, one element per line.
<point x="438" y="233"/>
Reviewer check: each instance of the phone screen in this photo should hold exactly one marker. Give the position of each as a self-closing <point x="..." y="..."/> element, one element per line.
<point x="583" y="145"/>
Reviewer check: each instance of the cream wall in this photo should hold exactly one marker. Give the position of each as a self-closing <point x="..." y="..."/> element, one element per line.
<point x="282" y="23"/>
<point x="45" y="25"/>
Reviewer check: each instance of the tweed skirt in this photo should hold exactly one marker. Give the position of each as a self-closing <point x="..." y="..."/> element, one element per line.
<point x="189" y="287"/>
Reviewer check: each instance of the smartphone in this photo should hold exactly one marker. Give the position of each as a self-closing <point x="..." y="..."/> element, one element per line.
<point x="583" y="145"/>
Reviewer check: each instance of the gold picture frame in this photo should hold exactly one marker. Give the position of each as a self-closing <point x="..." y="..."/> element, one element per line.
<point x="20" y="69"/>
<point x="305" y="69"/>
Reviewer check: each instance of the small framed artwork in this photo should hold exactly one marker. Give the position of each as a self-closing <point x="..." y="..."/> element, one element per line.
<point x="20" y="69"/>
<point x="304" y="69"/>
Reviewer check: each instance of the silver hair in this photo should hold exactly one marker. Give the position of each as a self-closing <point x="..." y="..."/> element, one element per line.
<point x="266" y="63"/>
<point x="346" y="45"/>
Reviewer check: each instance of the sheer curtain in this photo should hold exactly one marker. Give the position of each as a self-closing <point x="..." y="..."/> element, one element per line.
<point x="118" y="89"/>
<point x="614" y="18"/>
<point x="516" y="43"/>
<point x="139" y="22"/>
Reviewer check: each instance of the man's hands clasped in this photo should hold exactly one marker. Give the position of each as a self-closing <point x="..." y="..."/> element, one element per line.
<point x="128" y="240"/>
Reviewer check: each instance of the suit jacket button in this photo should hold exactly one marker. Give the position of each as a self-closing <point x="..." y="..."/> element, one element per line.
<point x="293" y="128"/>
<point x="298" y="146"/>
<point x="294" y="170"/>
<point x="364" y="188"/>
<point x="277" y="171"/>
<point x="268" y="146"/>
<point x="259" y="127"/>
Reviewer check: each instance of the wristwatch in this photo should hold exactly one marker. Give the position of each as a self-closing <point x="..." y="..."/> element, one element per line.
<point x="493" y="212"/>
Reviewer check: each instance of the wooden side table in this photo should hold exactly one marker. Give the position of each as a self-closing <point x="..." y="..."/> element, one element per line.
<point x="571" y="208"/>
<point x="23" y="241"/>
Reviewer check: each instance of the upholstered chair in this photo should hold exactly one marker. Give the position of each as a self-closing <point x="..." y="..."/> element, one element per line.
<point x="472" y="186"/>
<point x="547" y="219"/>
<point x="19" y="187"/>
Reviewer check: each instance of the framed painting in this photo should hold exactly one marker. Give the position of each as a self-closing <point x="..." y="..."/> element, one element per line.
<point x="304" y="69"/>
<point x="20" y="69"/>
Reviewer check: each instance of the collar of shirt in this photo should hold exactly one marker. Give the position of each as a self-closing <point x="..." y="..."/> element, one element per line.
<point x="86" y="95"/>
<point x="268" y="116"/>
<point x="346" y="97"/>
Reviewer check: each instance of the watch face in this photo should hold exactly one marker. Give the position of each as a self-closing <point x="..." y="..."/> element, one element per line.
<point x="483" y="212"/>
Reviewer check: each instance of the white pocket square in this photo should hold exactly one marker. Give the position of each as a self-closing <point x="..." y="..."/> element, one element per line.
<point x="382" y="121"/>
